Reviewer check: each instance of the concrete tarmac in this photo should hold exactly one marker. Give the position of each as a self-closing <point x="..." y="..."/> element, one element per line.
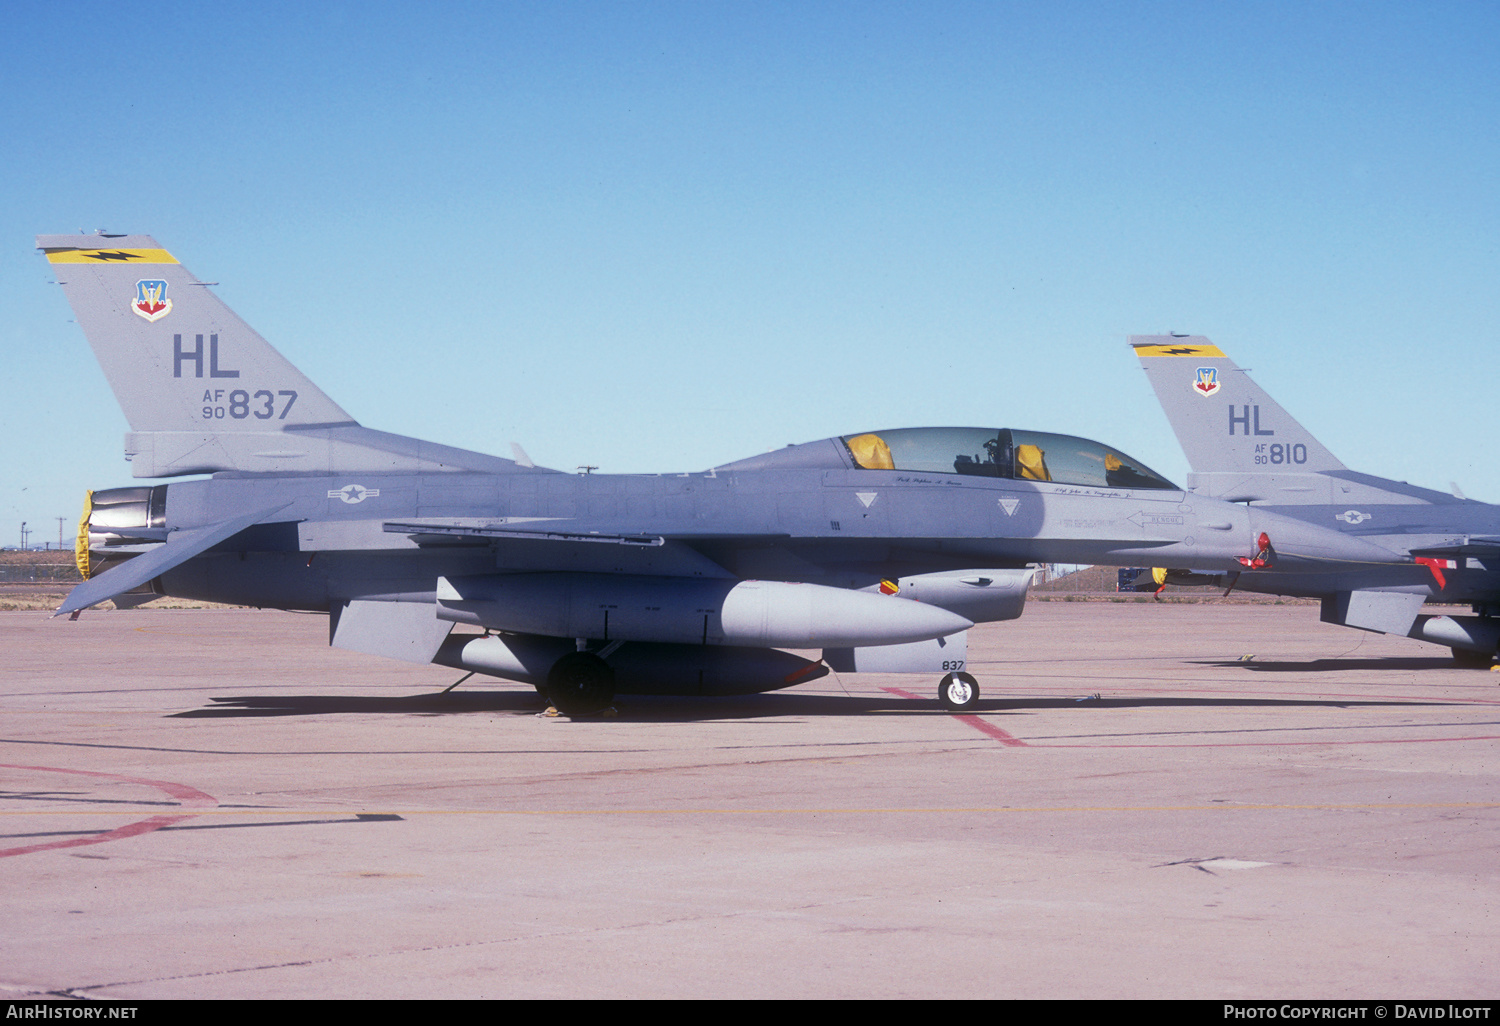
<point x="214" y="804"/>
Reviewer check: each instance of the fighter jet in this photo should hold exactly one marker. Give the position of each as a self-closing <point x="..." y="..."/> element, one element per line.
<point x="876" y="550"/>
<point x="1244" y="448"/>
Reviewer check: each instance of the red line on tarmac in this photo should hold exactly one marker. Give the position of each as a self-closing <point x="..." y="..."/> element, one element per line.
<point x="189" y="796"/>
<point x="983" y="726"/>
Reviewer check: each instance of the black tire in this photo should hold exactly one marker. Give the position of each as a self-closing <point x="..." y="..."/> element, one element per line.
<point x="958" y="692"/>
<point x="1469" y="659"/>
<point x="580" y="682"/>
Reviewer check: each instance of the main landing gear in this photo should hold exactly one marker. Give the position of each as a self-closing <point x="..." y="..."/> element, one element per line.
<point x="1469" y="659"/>
<point x="959" y="692"/>
<point x="580" y="683"/>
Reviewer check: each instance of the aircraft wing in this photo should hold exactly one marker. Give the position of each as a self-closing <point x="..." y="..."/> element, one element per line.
<point x="535" y="527"/>
<point x="465" y="528"/>
<point x="651" y="553"/>
<point x="180" y="547"/>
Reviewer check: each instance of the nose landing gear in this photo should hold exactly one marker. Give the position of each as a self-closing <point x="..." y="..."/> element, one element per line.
<point x="959" y="692"/>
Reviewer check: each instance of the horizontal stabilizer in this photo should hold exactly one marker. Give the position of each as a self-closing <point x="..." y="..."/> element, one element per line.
<point x="180" y="547"/>
<point x="347" y="449"/>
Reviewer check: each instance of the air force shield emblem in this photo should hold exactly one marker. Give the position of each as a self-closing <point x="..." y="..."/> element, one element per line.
<point x="151" y="300"/>
<point x="1207" y="383"/>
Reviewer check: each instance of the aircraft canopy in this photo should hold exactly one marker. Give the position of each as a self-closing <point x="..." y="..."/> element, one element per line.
<point x="1001" y="452"/>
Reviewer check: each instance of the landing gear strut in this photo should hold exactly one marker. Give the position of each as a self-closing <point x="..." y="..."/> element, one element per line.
<point x="580" y="682"/>
<point x="958" y="692"/>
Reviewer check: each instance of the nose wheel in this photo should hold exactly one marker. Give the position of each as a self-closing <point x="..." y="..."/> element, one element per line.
<point x="958" y="692"/>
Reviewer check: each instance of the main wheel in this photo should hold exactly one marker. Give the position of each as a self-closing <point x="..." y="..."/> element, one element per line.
<point x="958" y="692"/>
<point x="1470" y="659"/>
<point x="580" y="682"/>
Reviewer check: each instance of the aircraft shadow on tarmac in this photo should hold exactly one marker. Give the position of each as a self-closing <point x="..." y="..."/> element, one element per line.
<point x="634" y="707"/>
<point x="667" y="709"/>
<point x="429" y="704"/>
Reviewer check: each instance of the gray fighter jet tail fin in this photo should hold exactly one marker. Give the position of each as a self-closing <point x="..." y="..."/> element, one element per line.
<point x="1242" y="445"/>
<point x="1239" y="441"/>
<point x="1224" y="420"/>
<point x="202" y="391"/>
<point x="177" y="358"/>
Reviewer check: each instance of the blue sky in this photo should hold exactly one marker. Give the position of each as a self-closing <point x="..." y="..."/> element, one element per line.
<point x="664" y="236"/>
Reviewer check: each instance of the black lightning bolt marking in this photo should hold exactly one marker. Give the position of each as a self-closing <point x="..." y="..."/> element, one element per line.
<point x="1182" y="351"/>
<point x="113" y="255"/>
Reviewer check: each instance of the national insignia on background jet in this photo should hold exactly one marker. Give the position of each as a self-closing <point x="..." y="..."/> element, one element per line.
<point x="151" y="300"/>
<point x="1353" y="516"/>
<point x="353" y="493"/>
<point x="1207" y="382"/>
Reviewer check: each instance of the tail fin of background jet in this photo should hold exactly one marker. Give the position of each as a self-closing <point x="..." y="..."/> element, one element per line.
<point x="1240" y="443"/>
<point x="201" y="390"/>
